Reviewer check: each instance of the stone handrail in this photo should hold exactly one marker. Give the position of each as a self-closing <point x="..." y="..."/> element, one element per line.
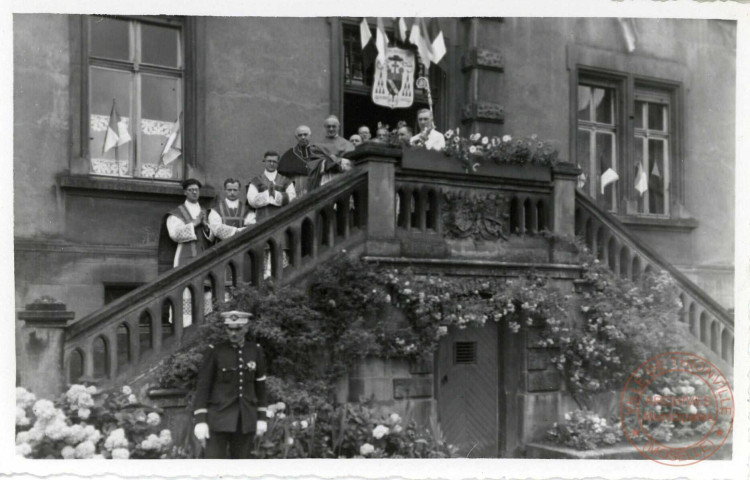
<point x="611" y="242"/>
<point x="154" y="318"/>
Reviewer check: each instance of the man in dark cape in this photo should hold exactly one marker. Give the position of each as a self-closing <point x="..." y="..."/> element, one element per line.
<point x="305" y="164"/>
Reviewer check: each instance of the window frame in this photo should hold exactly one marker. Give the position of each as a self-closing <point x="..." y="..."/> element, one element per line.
<point x="650" y="95"/>
<point x="439" y="80"/>
<point x="629" y="87"/>
<point x="80" y="39"/>
<point x="617" y="85"/>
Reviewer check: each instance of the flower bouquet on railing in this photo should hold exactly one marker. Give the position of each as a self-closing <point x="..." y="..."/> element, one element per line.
<point x="475" y="150"/>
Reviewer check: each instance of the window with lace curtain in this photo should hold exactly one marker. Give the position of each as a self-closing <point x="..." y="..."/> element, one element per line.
<point x="135" y="96"/>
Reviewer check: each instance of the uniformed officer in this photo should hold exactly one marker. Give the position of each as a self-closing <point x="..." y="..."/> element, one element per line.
<point x="231" y="392"/>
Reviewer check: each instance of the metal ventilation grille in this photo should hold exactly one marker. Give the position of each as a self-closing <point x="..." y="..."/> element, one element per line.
<point x="464" y="352"/>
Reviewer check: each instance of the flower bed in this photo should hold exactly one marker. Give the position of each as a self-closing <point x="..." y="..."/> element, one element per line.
<point x="347" y="431"/>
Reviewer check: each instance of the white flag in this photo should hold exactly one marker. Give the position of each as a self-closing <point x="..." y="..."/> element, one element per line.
<point x="610" y="176"/>
<point x="581" y="179"/>
<point x="641" y="181"/>
<point x="628" y="32"/>
<point x="173" y="148"/>
<point x="655" y="172"/>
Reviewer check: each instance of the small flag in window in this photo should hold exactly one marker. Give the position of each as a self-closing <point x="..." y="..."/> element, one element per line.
<point x="117" y="132"/>
<point x="369" y="51"/>
<point x="581" y="179"/>
<point x="421" y="38"/>
<point x="610" y="176"/>
<point x="437" y="41"/>
<point x="655" y="172"/>
<point x="173" y="148"/>
<point x="641" y="182"/>
<point x="381" y="39"/>
<point x="400" y="31"/>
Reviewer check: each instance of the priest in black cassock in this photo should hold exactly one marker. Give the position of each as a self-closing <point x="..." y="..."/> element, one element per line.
<point x="305" y="163"/>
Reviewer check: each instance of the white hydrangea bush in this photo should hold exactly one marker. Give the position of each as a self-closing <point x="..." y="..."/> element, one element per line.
<point x="86" y="423"/>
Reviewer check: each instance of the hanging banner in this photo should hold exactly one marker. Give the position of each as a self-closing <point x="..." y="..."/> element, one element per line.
<point x="394" y="79"/>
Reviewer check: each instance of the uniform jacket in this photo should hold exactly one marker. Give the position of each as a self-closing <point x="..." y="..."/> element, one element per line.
<point x="231" y="388"/>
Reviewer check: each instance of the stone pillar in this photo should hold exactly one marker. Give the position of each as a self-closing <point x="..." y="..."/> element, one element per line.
<point x="41" y="363"/>
<point x="380" y="162"/>
<point x="564" y="178"/>
<point x="483" y="70"/>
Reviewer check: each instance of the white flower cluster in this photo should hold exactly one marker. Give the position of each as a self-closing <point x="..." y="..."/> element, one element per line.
<point x="24" y="400"/>
<point x="276" y="410"/>
<point x="153" y="419"/>
<point x="157" y="443"/>
<point x="79" y="399"/>
<point x="116" y="439"/>
<point x="51" y="423"/>
<point x="366" y="449"/>
<point x="380" y="431"/>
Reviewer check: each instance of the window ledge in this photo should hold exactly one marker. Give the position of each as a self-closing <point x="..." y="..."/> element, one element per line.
<point x="674" y="224"/>
<point x="102" y="185"/>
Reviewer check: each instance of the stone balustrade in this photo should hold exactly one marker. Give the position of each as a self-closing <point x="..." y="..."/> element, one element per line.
<point x="612" y="243"/>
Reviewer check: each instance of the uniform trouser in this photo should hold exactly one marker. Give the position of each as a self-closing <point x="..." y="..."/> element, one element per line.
<point x="229" y="445"/>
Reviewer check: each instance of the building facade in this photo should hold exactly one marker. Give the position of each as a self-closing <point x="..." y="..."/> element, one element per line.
<point x="651" y="100"/>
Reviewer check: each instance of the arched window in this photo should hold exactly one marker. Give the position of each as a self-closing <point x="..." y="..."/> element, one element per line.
<point x="269" y="260"/>
<point x="308" y="238"/>
<point x="101" y="358"/>
<point x="230" y="280"/>
<point x="402" y="209"/>
<point x="167" y="319"/>
<point x="515" y="216"/>
<point x="324" y="229"/>
<point x="209" y="287"/>
<point x="541" y="216"/>
<point x="342" y="217"/>
<point x="75" y="366"/>
<point x="414" y="207"/>
<point x="288" y="253"/>
<point x="123" y="346"/>
<point x="187" y="307"/>
<point x="145" y="332"/>
<point x="528" y="216"/>
<point x="431" y="213"/>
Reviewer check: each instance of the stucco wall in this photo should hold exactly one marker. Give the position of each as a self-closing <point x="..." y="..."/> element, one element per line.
<point x="263" y="77"/>
<point x="41" y="76"/>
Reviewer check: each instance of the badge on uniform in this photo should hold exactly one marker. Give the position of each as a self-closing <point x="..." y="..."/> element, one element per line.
<point x="251" y="365"/>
